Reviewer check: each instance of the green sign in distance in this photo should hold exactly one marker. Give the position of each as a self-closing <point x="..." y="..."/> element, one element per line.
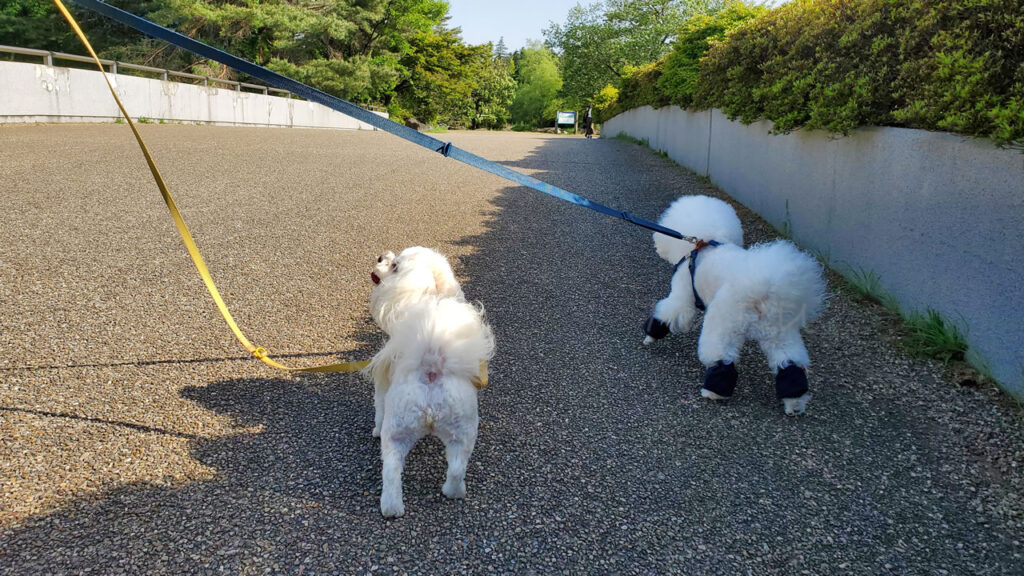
<point x="566" y="118"/>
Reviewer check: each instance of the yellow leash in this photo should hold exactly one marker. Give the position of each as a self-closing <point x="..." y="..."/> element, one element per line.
<point x="186" y="236"/>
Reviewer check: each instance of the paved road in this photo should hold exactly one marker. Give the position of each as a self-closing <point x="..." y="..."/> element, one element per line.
<point x="135" y="437"/>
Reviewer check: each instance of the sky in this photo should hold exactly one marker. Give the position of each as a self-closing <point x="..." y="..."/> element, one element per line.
<point x="487" y="20"/>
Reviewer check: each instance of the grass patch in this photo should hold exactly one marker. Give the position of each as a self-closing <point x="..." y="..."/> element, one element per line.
<point x="865" y="283"/>
<point x="119" y="120"/>
<point x="437" y="130"/>
<point x="642" y="142"/>
<point x="928" y="335"/>
<point x="824" y="256"/>
<point x="627" y="138"/>
<point x="868" y="286"/>
<point x="932" y="336"/>
<point x="144" y="120"/>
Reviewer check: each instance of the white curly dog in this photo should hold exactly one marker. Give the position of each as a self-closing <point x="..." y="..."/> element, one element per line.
<point x="768" y="292"/>
<point x="426" y="376"/>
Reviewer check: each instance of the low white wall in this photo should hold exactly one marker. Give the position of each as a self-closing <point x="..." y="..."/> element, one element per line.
<point x="938" y="217"/>
<point x="38" y="93"/>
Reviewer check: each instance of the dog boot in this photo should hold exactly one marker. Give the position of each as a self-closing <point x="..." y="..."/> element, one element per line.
<point x="719" y="381"/>
<point x="791" y="388"/>
<point x="654" y="329"/>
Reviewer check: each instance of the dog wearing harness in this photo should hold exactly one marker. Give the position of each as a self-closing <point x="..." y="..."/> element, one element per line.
<point x="768" y="293"/>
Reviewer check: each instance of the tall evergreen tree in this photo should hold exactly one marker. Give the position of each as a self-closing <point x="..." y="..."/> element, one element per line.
<point x="500" y="50"/>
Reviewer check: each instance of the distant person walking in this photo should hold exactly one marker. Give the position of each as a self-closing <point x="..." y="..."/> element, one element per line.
<point x="588" y="121"/>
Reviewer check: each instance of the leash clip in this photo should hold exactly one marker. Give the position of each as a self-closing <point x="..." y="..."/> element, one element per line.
<point x="445" y="149"/>
<point x="260" y="353"/>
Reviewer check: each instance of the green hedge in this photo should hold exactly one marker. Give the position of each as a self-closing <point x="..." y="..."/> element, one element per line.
<point x="673" y="80"/>
<point x="954" y="65"/>
<point x="678" y="81"/>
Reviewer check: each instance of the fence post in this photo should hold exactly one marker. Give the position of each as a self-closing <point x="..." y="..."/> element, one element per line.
<point x="48" y="59"/>
<point x="113" y="67"/>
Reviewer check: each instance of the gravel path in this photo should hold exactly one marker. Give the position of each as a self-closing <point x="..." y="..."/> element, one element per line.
<point x="136" y="437"/>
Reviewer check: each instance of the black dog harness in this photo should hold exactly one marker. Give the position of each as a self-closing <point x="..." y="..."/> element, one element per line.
<point x="693" y="270"/>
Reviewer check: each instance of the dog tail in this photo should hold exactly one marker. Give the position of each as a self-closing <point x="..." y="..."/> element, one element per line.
<point x="437" y="337"/>
<point x="784" y="285"/>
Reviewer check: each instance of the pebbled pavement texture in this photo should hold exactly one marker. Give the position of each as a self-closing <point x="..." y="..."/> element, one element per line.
<point x="137" y="437"/>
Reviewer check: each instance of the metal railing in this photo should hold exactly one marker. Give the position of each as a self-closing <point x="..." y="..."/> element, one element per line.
<point x="114" y="66"/>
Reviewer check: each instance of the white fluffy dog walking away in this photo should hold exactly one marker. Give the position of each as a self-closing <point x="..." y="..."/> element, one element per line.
<point x="768" y="292"/>
<point x="426" y="376"/>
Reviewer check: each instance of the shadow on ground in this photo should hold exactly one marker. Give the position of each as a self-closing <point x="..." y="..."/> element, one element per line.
<point x="595" y="453"/>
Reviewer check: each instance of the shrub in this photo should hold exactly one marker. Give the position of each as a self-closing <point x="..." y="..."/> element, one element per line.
<point x="837" y="64"/>
<point x="817" y="63"/>
<point x="639" y="86"/>
<point x="605" y="103"/>
<point x="397" y="113"/>
<point x="954" y="65"/>
<point x="963" y="67"/>
<point x="678" y="81"/>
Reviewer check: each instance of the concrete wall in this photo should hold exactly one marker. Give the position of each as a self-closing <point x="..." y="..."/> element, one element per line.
<point x="938" y="217"/>
<point x="38" y="93"/>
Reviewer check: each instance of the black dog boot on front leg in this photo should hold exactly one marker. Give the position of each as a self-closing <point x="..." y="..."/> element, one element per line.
<point x="791" y="388"/>
<point x="719" y="381"/>
<point x="654" y="329"/>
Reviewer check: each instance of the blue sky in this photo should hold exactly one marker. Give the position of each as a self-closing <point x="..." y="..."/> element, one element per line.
<point x="487" y="20"/>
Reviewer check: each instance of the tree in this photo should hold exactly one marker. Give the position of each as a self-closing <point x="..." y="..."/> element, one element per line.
<point x="678" y="81"/>
<point x="38" y="24"/>
<point x="494" y="93"/>
<point x="349" y="49"/>
<point x="443" y="76"/>
<point x="500" y="50"/>
<point x="598" y="42"/>
<point x="536" y="100"/>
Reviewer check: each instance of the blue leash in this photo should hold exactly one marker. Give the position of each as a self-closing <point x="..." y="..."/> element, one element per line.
<point x="349" y="109"/>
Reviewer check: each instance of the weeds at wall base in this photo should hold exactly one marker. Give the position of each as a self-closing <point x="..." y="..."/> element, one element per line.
<point x="627" y="138"/>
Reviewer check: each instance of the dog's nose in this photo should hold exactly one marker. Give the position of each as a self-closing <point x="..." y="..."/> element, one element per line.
<point x="374" y="277"/>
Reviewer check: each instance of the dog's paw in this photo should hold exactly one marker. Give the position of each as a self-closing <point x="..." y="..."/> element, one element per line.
<point x="454" y="489"/>
<point x="648" y="340"/>
<point x="796" y="406"/>
<point x="391" y="507"/>
<point x="376" y="431"/>
<point x="704" y="392"/>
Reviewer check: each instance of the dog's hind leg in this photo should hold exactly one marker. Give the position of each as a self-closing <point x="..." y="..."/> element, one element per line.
<point x="379" y="399"/>
<point x="788" y="361"/>
<point x="393" y="450"/>
<point x="458" y="447"/>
